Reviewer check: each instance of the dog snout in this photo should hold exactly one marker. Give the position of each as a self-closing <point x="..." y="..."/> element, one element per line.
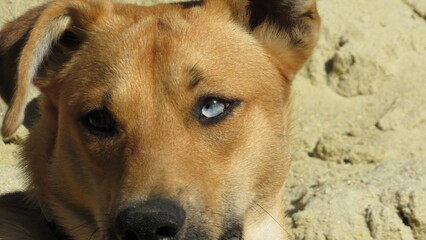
<point x="157" y="219"/>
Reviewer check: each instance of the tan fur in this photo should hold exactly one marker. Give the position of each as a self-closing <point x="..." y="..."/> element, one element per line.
<point x="138" y="62"/>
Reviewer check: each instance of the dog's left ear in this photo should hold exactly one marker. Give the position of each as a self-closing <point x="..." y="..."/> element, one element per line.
<point x="288" y="29"/>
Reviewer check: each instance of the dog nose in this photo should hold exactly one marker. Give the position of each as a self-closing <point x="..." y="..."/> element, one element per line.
<point x="157" y="219"/>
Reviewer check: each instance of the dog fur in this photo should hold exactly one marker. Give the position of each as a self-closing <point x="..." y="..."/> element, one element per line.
<point x="151" y="69"/>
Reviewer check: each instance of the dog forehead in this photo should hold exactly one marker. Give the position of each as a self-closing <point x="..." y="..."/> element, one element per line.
<point x="159" y="48"/>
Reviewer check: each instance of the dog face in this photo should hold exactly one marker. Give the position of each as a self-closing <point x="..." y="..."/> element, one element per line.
<point x="163" y="122"/>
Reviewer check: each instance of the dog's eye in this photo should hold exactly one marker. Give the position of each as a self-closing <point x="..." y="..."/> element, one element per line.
<point x="213" y="110"/>
<point x="99" y="122"/>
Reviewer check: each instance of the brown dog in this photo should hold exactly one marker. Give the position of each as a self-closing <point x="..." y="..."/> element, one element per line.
<point x="163" y="122"/>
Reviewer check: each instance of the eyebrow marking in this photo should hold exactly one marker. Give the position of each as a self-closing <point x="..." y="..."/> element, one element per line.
<point x="196" y="77"/>
<point x="190" y="4"/>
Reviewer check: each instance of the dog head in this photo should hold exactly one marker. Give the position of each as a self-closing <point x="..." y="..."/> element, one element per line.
<point x="162" y="122"/>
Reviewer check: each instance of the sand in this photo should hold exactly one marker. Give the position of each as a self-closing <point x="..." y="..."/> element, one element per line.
<point x="359" y="130"/>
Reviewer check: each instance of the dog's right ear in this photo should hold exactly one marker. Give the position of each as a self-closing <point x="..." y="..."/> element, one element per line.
<point x="60" y="25"/>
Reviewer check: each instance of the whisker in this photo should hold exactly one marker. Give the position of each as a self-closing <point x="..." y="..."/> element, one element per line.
<point x="94" y="232"/>
<point x="270" y="215"/>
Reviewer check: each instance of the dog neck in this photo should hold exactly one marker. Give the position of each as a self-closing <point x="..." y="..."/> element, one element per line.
<point x="56" y="230"/>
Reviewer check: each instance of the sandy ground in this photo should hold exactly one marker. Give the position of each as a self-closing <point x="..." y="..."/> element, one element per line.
<point x="359" y="132"/>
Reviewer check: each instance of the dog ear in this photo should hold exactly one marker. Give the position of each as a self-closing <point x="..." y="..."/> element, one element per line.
<point x="12" y="39"/>
<point x="288" y="29"/>
<point x="56" y="28"/>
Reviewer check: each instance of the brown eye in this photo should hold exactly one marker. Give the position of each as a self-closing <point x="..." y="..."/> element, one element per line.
<point x="99" y="122"/>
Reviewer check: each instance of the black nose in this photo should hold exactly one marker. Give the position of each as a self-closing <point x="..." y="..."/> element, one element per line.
<point x="157" y="219"/>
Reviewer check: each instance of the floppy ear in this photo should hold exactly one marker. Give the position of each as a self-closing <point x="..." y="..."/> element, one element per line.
<point x="57" y="29"/>
<point x="288" y="29"/>
<point x="12" y="39"/>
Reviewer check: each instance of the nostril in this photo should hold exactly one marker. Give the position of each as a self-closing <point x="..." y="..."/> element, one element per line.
<point x="166" y="232"/>
<point x="130" y="235"/>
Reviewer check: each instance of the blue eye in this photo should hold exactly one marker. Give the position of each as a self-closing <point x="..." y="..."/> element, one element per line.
<point x="213" y="108"/>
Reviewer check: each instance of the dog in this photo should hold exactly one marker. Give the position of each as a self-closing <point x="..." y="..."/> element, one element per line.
<point x="162" y="122"/>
